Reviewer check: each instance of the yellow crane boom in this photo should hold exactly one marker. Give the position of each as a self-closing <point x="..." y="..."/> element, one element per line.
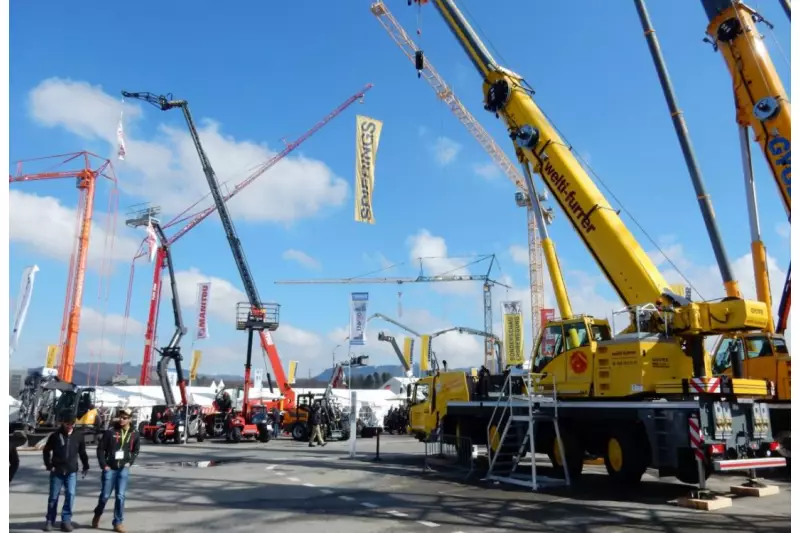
<point x="623" y="261"/>
<point x="536" y="242"/>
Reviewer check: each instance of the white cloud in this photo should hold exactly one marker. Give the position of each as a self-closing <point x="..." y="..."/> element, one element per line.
<point x="223" y="297"/>
<point x="445" y="150"/>
<point x="519" y="254"/>
<point x="488" y="170"/>
<point x="435" y="261"/>
<point x="302" y="258"/>
<point x="293" y="343"/>
<point x="165" y="168"/>
<point x="29" y="214"/>
<point x="94" y="322"/>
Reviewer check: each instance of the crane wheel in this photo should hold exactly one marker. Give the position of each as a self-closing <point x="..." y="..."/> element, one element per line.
<point x="236" y="435"/>
<point x="626" y="456"/>
<point x="573" y="449"/>
<point x="263" y="434"/>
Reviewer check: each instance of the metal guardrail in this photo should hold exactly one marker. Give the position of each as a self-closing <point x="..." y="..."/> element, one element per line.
<point x="449" y="454"/>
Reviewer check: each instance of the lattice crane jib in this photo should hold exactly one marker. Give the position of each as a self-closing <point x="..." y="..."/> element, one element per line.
<point x="498" y="156"/>
<point x="85" y="168"/>
<point x="488" y="283"/>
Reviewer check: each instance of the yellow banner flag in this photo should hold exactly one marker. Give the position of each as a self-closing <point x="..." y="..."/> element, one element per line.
<point x="197" y="355"/>
<point x="368" y="134"/>
<point x="52" y="353"/>
<point x="292" y="372"/>
<point x="408" y="351"/>
<point x="512" y="329"/>
<point x="425" y="342"/>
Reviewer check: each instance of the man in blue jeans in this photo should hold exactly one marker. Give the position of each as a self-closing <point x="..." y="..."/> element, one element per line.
<point x="61" y="452"/>
<point x="116" y="453"/>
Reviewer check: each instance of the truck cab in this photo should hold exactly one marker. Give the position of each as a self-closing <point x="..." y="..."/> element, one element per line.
<point x="566" y="351"/>
<point x="766" y="356"/>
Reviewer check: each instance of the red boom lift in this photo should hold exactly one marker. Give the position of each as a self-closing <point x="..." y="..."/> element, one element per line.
<point x="262" y="316"/>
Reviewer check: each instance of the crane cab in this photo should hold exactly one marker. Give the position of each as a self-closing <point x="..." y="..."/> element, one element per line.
<point x="766" y="357"/>
<point x="565" y="352"/>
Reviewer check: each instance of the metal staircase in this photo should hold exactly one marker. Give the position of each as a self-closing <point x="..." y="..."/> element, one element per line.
<point x="512" y="429"/>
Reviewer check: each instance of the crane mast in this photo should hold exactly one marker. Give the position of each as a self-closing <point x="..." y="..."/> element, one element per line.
<point x="270" y="310"/>
<point x="625" y="264"/>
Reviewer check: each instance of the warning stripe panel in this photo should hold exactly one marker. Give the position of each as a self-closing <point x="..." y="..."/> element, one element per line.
<point x="708" y="385"/>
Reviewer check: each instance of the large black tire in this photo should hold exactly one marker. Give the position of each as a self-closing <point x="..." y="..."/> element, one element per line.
<point x="687" y="467"/>
<point x="201" y="432"/>
<point x="299" y="432"/>
<point x="626" y="456"/>
<point x="160" y="436"/>
<point x="263" y="434"/>
<point x="236" y="435"/>
<point x="142" y="424"/>
<point x="573" y="449"/>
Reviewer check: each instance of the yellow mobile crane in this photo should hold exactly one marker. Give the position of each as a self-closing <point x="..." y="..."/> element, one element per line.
<point x="763" y="106"/>
<point x="649" y="388"/>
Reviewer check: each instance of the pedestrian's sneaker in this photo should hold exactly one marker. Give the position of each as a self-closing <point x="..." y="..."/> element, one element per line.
<point x="66" y="526"/>
<point x="48" y="526"/>
<point x="310" y="445"/>
<point x="96" y="521"/>
<point x="119" y="528"/>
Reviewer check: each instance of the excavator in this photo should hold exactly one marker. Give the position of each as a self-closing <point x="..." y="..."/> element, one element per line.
<point x="634" y="398"/>
<point x="169" y="422"/>
<point x="763" y="107"/>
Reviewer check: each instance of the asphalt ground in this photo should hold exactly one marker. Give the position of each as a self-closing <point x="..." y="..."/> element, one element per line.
<point x="286" y="487"/>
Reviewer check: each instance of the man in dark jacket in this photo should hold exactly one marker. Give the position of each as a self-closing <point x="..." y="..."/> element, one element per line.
<point x="315" y="420"/>
<point x="61" y="452"/>
<point x="116" y="452"/>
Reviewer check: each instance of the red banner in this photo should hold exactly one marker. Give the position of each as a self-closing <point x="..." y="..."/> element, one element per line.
<point x="549" y="340"/>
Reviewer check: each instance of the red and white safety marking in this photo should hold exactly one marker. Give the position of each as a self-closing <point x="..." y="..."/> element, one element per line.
<point x="696" y="438"/>
<point x="706" y="385"/>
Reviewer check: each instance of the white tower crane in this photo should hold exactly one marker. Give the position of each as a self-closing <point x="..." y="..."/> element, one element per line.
<point x="523" y="196"/>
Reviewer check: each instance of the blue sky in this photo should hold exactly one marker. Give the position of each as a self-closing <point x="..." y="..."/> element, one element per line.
<point x="257" y="79"/>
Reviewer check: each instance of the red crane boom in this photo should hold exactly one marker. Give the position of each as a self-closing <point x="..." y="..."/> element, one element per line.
<point x="155" y="290"/>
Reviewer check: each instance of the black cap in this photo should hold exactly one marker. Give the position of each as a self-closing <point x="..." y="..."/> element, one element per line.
<point x="67" y="418"/>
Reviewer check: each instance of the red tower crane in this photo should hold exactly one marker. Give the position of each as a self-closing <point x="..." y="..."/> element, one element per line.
<point x="194" y="220"/>
<point x="86" y="178"/>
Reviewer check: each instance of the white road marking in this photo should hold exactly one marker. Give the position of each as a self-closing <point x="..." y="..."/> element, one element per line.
<point x="396" y="513"/>
<point x="270" y="467"/>
<point x="293" y="479"/>
<point x="369" y="505"/>
<point x="279" y="474"/>
<point x="326" y="491"/>
<point x="484" y="515"/>
<point x="346" y="498"/>
<point x="426" y="523"/>
<point x="309" y="485"/>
